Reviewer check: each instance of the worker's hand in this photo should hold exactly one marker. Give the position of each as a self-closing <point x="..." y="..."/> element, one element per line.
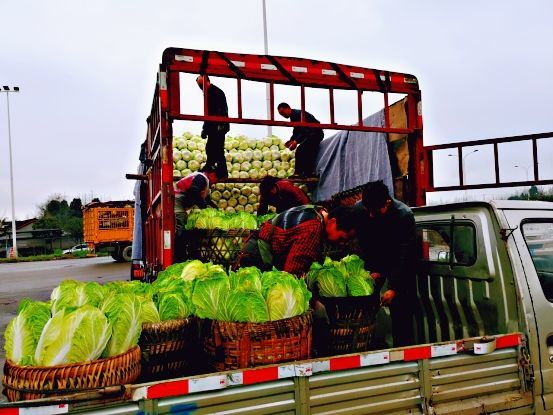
<point x="376" y="276"/>
<point x="291" y="145"/>
<point x="204" y="134"/>
<point x="387" y="297"/>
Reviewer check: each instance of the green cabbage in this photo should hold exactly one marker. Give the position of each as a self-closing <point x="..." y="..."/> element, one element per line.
<point x="73" y="337"/>
<point x="24" y="330"/>
<point x="246" y="279"/>
<point x="210" y="294"/>
<point x="359" y="285"/>
<point x="74" y="294"/>
<point x="286" y="295"/>
<point x="124" y="312"/>
<point x="173" y="306"/>
<point x="245" y="306"/>
<point x="150" y="314"/>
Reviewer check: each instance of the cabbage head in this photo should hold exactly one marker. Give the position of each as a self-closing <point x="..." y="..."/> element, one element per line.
<point x="24" y="330"/>
<point x="150" y="314"/>
<point x="124" y="312"/>
<point x="245" y="306"/>
<point x="173" y="306"/>
<point x="210" y="295"/>
<point x="73" y="337"/>
<point x="74" y="294"/>
<point x="359" y="285"/>
<point x="287" y="299"/>
<point x="246" y="279"/>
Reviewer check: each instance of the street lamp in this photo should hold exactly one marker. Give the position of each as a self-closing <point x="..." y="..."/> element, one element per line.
<point x="268" y="88"/>
<point x="525" y="171"/>
<point x="7" y="90"/>
<point x="463" y="162"/>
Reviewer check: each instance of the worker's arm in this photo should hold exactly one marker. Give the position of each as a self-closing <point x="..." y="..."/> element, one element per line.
<point x="263" y="206"/>
<point x="305" y="248"/>
<point x="297" y="196"/>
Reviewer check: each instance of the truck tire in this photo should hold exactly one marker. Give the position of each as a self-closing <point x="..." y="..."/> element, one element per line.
<point x="126" y="253"/>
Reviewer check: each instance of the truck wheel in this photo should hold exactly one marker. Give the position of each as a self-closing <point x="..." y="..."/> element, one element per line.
<point x="126" y="253"/>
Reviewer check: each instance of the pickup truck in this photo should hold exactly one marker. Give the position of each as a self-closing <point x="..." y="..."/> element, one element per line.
<point x="484" y="327"/>
<point x="484" y="332"/>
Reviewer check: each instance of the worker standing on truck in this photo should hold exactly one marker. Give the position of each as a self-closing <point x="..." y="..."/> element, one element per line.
<point x="293" y="239"/>
<point x="387" y="237"/>
<point x="214" y="131"/>
<point x="305" y="140"/>
<point x="280" y="193"/>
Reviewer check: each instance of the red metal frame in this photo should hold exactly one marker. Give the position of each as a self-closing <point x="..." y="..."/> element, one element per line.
<point x="160" y="221"/>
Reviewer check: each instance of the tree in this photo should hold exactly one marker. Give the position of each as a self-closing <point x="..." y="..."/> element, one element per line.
<point x="75" y="207"/>
<point x="534" y="192"/>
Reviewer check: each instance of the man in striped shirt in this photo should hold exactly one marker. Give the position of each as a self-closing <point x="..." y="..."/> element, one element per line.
<point x="293" y="240"/>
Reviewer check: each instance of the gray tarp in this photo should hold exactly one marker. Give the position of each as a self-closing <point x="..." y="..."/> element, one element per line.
<point x="352" y="158"/>
<point x="137" y="233"/>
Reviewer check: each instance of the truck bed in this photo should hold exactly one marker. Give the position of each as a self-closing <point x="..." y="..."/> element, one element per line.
<point x="440" y="378"/>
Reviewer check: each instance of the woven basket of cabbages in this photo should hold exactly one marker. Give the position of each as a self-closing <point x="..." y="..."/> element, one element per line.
<point x="85" y="338"/>
<point x="216" y="236"/>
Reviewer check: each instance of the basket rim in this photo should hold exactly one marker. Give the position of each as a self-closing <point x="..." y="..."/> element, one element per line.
<point x="166" y="323"/>
<point x="68" y="365"/>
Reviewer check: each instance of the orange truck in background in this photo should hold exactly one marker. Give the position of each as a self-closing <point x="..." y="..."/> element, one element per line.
<point x="108" y="227"/>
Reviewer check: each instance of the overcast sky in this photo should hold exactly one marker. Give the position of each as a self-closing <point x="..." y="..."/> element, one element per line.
<point x="87" y="72"/>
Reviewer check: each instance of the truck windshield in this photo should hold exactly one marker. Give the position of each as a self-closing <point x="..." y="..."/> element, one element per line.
<point x="539" y="239"/>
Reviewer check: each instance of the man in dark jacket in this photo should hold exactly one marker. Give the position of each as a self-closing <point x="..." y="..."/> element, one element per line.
<point x="214" y="131"/>
<point x="387" y="236"/>
<point x="293" y="240"/>
<point x="280" y="193"/>
<point x="305" y="140"/>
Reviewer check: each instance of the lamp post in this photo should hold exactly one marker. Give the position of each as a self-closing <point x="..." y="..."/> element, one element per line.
<point x="7" y="90"/>
<point x="525" y="171"/>
<point x="268" y="88"/>
<point x="463" y="162"/>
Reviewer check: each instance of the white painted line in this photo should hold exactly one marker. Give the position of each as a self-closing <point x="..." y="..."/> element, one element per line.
<point x="357" y="75"/>
<point x="372" y="359"/>
<point x="184" y="58"/>
<point x="207" y="384"/>
<point x="45" y="410"/>
<point x="444" y="350"/>
<point x="304" y="369"/>
<point x="268" y="67"/>
<point x="323" y="366"/>
<point x="287" y="371"/>
<point x="140" y="393"/>
<point x="299" y="69"/>
<point x="329" y="72"/>
<point x="239" y="64"/>
<point x="236" y="379"/>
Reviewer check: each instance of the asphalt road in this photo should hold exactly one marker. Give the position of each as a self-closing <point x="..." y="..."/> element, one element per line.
<point x="36" y="280"/>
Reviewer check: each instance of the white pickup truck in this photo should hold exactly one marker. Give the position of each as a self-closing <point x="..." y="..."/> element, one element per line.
<point x="484" y="326"/>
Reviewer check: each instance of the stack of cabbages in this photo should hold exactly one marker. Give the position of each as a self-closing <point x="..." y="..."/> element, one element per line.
<point x="247" y="158"/>
<point x="83" y="322"/>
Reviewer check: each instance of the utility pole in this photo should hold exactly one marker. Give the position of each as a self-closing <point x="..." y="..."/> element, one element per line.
<point x="7" y="90"/>
<point x="268" y="88"/>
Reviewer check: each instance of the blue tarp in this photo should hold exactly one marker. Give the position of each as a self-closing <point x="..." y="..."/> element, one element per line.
<point x="351" y="158"/>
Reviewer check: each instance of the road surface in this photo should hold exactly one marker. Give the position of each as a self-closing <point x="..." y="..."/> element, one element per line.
<point x="36" y="280"/>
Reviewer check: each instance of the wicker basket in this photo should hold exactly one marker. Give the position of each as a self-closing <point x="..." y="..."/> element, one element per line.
<point x="167" y="348"/>
<point x="35" y="382"/>
<point x="215" y="245"/>
<point x="231" y="345"/>
<point x="351" y="322"/>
